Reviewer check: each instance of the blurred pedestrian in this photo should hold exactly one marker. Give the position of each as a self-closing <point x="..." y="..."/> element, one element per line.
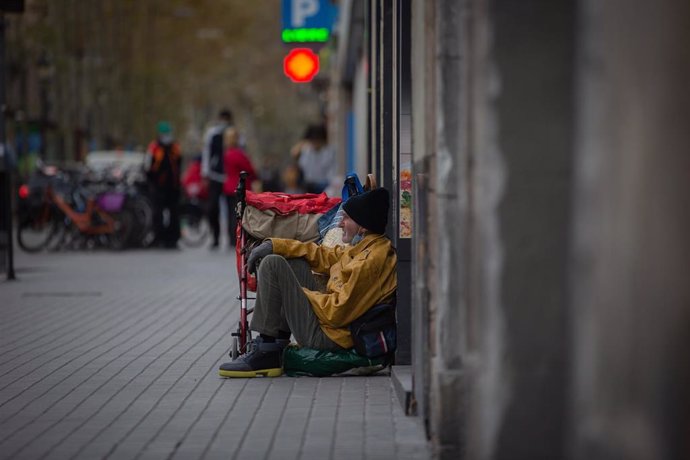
<point x="194" y="186"/>
<point x="291" y="178"/>
<point x="163" y="162"/>
<point x="315" y="158"/>
<point x="269" y="176"/>
<point x="212" y="170"/>
<point x="235" y="160"/>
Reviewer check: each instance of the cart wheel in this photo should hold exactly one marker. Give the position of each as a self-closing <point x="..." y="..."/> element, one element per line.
<point x="234" y="352"/>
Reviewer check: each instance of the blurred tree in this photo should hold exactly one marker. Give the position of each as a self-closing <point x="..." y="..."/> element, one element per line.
<point x="121" y="65"/>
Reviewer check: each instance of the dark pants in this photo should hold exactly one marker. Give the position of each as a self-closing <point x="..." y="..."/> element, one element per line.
<point x="232" y="218"/>
<point x="167" y="233"/>
<point x="282" y="306"/>
<point x="215" y="192"/>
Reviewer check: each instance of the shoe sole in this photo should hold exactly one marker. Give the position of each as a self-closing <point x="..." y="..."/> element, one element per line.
<point x="276" y="372"/>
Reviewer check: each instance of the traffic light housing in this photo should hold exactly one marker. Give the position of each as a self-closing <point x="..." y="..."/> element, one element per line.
<point x="301" y="65"/>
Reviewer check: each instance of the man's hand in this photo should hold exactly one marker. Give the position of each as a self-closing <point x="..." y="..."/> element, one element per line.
<point x="258" y="253"/>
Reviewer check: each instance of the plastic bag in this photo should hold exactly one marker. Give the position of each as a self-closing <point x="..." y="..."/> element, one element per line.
<point x="329" y="228"/>
<point x="298" y="361"/>
<point x="330" y="233"/>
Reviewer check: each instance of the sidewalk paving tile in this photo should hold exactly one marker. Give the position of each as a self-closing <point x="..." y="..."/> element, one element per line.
<point x="115" y="355"/>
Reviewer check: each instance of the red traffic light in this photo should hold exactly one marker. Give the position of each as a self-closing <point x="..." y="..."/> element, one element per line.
<point x="24" y="191"/>
<point x="301" y="65"/>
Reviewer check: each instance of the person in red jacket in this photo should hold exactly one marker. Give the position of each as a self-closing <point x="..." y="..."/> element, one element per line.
<point x="192" y="182"/>
<point x="235" y="160"/>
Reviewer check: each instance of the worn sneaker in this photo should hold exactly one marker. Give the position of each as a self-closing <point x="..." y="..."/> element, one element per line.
<point x="282" y="342"/>
<point x="261" y="359"/>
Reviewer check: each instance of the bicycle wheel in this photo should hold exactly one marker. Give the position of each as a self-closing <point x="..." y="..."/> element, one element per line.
<point x="193" y="227"/>
<point x="62" y="235"/>
<point x="123" y="228"/>
<point x="142" y="227"/>
<point x="36" y="228"/>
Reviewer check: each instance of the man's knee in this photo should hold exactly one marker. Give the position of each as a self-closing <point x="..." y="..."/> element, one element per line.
<point x="271" y="263"/>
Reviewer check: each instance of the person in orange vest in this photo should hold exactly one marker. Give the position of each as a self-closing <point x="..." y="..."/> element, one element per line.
<point x="163" y="162"/>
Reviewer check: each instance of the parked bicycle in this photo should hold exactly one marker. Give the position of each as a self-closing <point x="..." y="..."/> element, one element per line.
<point x="124" y="171"/>
<point x="63" y="213"/>
<point x="131" y="182"/>
<point x="37" y="220"/>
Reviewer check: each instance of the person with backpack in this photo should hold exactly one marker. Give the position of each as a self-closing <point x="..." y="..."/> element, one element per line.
<point x="212" y="170"/>
<point x="163" y="163"/>
<point x="291" y="300"/>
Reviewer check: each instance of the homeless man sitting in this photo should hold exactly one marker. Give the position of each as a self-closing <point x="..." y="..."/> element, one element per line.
<point x="291" y="301"/>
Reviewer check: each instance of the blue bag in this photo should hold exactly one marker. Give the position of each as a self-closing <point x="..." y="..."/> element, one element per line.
<point x="375" y="332"/>
<point x="351" y="187"/>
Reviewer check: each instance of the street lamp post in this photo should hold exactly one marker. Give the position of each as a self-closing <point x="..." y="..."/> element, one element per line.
<point x="45" y="74"/>
<point x="6" y="249"/>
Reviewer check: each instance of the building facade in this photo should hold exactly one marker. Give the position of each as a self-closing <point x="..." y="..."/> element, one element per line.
<point x="537" y="156"/>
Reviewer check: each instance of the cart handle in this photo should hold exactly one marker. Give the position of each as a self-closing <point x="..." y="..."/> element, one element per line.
<point x="241" y="193"/>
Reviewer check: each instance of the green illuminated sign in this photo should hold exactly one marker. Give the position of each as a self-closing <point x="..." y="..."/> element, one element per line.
<point x="305" y="35"/>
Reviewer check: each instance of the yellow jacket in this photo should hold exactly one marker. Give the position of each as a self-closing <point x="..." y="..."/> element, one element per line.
<point x="359" y="277"/>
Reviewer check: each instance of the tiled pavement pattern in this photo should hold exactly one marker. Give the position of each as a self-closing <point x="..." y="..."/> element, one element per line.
<point x="114" y="355"/>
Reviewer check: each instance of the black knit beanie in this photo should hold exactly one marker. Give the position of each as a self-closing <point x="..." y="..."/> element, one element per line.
<point x="370" y="209"/>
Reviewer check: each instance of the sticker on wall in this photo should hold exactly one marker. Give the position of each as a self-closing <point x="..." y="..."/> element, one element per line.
<point x="405" y="230"/>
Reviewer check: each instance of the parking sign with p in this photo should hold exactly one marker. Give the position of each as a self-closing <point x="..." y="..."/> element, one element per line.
<point x="307" y="21"/>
